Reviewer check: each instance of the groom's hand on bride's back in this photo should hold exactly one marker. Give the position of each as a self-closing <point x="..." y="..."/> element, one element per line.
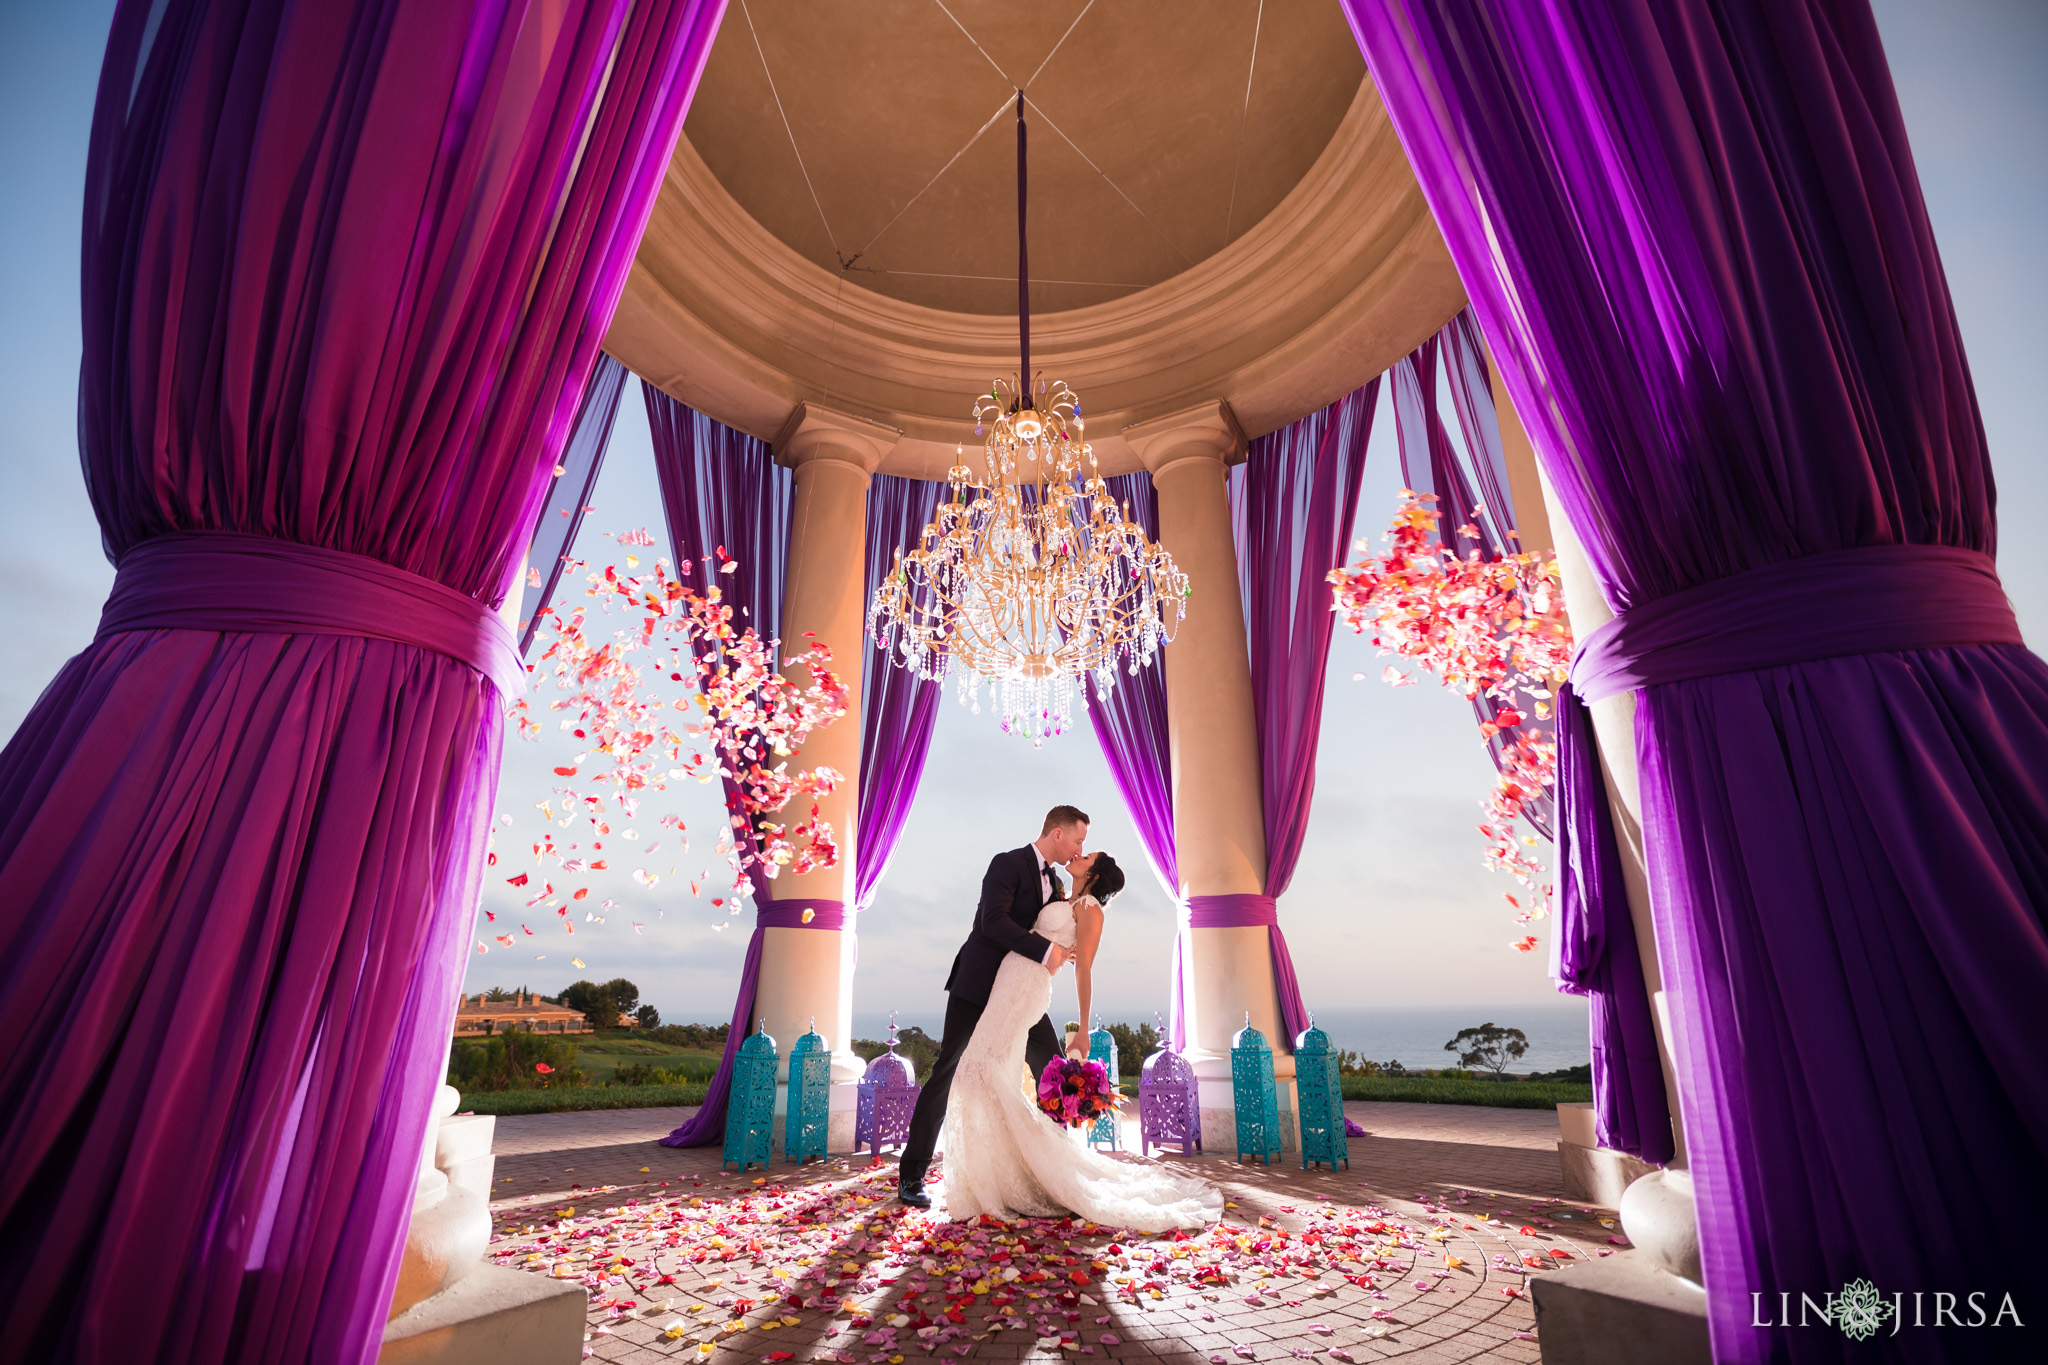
<point x="1055" y="958"/>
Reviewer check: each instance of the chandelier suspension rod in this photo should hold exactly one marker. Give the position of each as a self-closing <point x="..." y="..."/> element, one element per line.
<point x="1023" y="267"/>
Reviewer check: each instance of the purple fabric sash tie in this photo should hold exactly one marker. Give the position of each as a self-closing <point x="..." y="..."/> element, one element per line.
<point x="1241" y="910"/>
<point x="1873" y="600"/>
<point x="789" y="914"/>
<point x="229" y="581"/>
<point x="707" y="1125"/>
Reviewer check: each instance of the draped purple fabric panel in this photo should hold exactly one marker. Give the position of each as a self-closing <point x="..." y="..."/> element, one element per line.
<point x="345" y="271"/>
<point x="1595" y="953"/>
<point x="1293" y="503"/>
<point x="722" y="491"/>
<point x="899" y="706"/>
<point x="562" y="515"/>
<point x="1296" y="500"/>
<point x="1694" y="235"/>
<point x="1130" y="722"/>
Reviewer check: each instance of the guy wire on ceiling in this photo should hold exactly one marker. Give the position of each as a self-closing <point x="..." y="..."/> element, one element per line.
<point x="1244" y="114"/>
<point x="849" y="263"/>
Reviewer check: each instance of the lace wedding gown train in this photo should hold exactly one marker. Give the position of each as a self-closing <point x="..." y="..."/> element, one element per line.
<point x="1006" y="1158"/>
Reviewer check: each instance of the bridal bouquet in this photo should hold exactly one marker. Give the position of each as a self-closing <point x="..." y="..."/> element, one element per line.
<point x="1075" y="1092"/>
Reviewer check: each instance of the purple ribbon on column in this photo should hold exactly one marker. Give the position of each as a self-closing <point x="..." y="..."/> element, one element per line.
<point x="707" y="1125"/>
<point x="1245" y="911"/>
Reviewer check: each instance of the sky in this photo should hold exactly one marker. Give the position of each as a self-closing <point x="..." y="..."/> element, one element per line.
<point x="1391" y="906"/>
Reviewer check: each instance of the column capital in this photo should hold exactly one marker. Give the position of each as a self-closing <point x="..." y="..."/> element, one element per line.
<point x="1208" y="430"/>
<point x="814" y="432"/>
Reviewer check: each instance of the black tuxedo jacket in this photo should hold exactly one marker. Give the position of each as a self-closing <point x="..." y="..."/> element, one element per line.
<point x="1010" y="902"/>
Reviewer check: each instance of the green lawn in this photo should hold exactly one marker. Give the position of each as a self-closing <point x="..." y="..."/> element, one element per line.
<point x="580" y="1097"/>
<point x="1447" y="1090"/>
<point x="600" y="1056"/>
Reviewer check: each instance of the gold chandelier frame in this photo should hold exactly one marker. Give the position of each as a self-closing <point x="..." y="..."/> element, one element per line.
<point x="1031" y="576"/>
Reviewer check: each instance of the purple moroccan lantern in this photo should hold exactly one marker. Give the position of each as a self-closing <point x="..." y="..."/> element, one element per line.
<point x="1169" y="1107"/>
<point x="887" y="1096"/>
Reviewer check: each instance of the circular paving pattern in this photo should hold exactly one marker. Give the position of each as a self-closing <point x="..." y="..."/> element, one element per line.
<point x="686" y="1262"/>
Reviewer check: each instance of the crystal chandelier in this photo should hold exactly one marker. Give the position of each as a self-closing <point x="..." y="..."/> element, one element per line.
<point x="1030" y="575"/>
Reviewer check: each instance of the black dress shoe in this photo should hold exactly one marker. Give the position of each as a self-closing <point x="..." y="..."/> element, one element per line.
<point x="913" y="1195"/>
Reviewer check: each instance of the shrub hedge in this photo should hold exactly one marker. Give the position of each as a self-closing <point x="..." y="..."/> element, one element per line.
<point x="580" y="1097"/>
<point x="1493" y="1094"/>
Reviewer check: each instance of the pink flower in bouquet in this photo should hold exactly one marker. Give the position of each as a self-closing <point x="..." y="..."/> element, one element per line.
<point x="1072" y="1092"/>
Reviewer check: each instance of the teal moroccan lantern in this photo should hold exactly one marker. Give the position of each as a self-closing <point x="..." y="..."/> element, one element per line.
<point x="810" y="1098"/>
<point x="750" y="1109"/>
<point x="1321" y="1097"/>
<point x="1251" y="1088"/>
<point x="1102" y="1048"/>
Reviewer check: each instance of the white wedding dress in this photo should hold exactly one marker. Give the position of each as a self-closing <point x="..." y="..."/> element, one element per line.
<point x="1006" y="1158"/>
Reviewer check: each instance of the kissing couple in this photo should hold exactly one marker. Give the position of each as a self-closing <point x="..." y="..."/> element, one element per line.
<point x="1004" y="1156"/>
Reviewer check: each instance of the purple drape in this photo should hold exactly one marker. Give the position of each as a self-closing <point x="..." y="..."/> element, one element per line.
<point x="1295" y="500"/>
<point x="1470" y="483"/>
<point x="1292" y="503"/>
<point x="1130" y="722"/>
<point x="899" y="706"/>
<point x="345" y="271"/>
<point x="721" y="489"/>
<point x="1695" y="236"/>
<point x="569" y="493"/>
<point x="1594" y="951"/>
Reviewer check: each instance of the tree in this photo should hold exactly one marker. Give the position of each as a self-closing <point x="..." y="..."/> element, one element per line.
<point x="648" y="1016"/>
<point x="512" y="1061"/>
<point x="593" y="1002"/>
<point x="1133" y="1046"/>
<point x="913" y="1044"/>
<point x="625" y="995"/>
<point x="497" y="993"/>
<point x="1489" y="1046"/>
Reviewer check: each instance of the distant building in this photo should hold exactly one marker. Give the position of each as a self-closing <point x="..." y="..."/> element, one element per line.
<point x="478" y="1017"/>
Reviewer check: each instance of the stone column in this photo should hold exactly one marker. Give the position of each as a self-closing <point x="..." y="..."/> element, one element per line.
<point x="1663" y="1222"/>
<point x="1218" y="818"/>
<point x="808" y="973"/>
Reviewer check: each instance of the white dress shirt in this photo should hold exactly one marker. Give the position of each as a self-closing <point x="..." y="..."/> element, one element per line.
<point x="1044" y="884"/>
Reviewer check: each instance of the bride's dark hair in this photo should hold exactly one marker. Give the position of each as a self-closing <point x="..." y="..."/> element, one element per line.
<point x="1105" y="878"/>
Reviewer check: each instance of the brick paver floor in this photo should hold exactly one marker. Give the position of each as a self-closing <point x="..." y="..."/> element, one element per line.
<point x="1419" y="1252"/>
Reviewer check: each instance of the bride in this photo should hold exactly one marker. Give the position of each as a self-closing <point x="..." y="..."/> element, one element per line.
<point x="1004" y="1156"/>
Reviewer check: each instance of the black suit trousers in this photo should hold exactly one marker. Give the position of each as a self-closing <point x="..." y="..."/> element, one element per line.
<point x="1041" y="1045"/>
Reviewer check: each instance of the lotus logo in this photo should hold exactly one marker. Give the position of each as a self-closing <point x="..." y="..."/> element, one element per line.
<point x="1861" y="1310"/>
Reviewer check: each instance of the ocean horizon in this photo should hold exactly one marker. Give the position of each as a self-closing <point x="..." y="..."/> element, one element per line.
<point x="1413" y="1035"/>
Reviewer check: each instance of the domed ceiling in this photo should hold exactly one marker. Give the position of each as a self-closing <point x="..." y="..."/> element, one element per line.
<point x="877" y="139"/>
<point x="1220" y="213"/>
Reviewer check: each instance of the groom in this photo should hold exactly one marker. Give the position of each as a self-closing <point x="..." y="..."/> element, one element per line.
<point x="1016" y="887"/>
